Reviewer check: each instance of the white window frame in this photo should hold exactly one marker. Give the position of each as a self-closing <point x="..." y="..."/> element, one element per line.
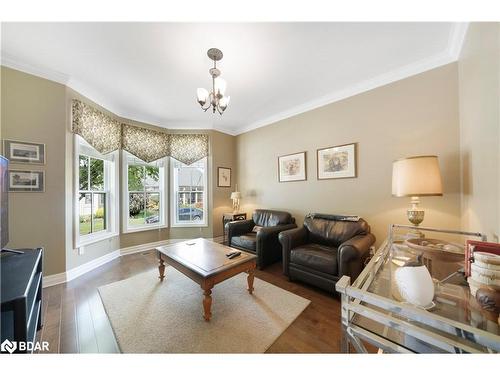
<point x="111" y="187"/>
<point x="163" y="165"/>
<point x="173" y="199"/>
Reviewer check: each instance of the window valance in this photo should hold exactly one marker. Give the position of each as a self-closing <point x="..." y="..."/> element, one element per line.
<point x="100" y="130"/>
<point x="106" y="134"/>
<point x="148" y="145"/>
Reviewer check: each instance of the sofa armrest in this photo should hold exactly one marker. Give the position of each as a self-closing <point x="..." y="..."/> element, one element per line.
<point x="290" y="239"/>
<point x="352" y="254"/>
<point x="238" y="228"/>
<point x="268" y="245"/>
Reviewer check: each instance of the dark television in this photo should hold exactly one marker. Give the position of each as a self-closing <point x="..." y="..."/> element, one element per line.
<point x="4" y="202"/>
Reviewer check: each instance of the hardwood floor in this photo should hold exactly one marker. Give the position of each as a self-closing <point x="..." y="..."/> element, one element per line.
<point x="75" y="320"/>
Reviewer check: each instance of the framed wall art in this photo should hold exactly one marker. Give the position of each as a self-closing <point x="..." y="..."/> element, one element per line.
<point x="26" y="181"/>
<point x="223" y="177"/>
<point x="337" y="162"/>
<point x="24" y="152"/>
<point x="292" y="167"/>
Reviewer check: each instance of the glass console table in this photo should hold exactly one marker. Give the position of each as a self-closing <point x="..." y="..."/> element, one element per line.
<point x="371" y="314"/>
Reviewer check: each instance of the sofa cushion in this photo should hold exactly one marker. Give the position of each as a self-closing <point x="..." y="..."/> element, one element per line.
<point x="270" y="218"/>
<point x="330" y="232"/>
<point x="246" y="241"/>
<point x="318" y="257"/>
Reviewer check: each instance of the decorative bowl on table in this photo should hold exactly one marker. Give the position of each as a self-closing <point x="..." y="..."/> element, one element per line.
<point x="442" y="258"/>
<point x="444" y="250"/>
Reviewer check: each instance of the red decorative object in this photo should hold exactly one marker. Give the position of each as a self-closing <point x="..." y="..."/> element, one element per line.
<point x="473" y="246"/>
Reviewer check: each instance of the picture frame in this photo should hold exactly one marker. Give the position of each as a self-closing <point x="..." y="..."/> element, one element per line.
<point x="292" y="167"/>
<point x="337" y="162"/>
<point x="21" y="152"/>
<point x="26" y="181"/>
<point x="223" y="177"/>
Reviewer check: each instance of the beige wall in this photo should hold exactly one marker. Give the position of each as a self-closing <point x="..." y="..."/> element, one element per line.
<point x="414" y="116"/>
<point x="33" y="110"/>
<point x="479" y="80"/>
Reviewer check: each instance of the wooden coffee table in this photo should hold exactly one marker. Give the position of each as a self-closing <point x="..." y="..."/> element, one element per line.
<point x="205" y="263"/>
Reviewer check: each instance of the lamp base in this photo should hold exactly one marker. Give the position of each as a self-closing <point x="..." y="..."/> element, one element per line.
<point x="415" y="216"/>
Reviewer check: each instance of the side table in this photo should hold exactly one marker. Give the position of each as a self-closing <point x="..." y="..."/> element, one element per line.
<point x="228" y="217"/>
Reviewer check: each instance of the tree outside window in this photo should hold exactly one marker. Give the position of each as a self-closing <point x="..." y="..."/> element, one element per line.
<point x="92" y="196"/>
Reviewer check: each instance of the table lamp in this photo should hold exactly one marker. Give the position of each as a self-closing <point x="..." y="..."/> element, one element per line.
<point x="236" y="196"/>
<point x="415" y="177"/>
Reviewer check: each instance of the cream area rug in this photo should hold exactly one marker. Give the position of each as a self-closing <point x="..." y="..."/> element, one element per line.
<point x="152" y="317"/>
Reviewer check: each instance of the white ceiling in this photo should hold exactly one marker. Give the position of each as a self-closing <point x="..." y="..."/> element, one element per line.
<point x="150" y="71"/>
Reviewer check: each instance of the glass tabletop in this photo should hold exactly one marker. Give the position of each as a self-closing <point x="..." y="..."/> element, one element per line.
<point x="452" y="301"/>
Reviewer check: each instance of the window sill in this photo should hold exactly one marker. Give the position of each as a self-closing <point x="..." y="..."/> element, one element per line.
<point x="85" y="241"/>
<point x="189" y="225"/>
<point x="144" y="228"/>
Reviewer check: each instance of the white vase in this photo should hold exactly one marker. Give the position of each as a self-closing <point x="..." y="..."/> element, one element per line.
<point x="415" y="285"/>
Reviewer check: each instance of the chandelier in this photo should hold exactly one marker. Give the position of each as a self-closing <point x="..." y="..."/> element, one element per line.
<point x="215" y="98"/>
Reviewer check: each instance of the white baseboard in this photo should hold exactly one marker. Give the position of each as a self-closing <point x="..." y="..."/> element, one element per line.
<point x="55" y="279"/>
<point x="73" y="273"/>
<point x="147" y="246"/>
<point x="89" y="266"/>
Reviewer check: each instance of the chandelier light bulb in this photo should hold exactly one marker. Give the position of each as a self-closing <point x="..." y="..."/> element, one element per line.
<point x="224" y="101"/>
<point x="220" y="86"/>
<point x="202" y="95"/>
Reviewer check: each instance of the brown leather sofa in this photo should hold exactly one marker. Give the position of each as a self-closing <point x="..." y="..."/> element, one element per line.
<point x="259" y="235"/>
<point x="325" y="248"/>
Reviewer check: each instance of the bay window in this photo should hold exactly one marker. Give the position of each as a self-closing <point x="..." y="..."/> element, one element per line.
<point x="189" y="193"/>
<point x="144" y="194"/>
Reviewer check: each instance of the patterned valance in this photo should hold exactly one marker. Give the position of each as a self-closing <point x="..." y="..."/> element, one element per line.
<point x="100" y="130"/>
<point x="106" y="134"/>
<point x="188" y="148"/>
<point x="148" y="145"/>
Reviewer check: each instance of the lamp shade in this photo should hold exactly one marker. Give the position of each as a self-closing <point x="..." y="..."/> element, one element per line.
<point x="235" y="195"/>
<point x="416" y="176"/>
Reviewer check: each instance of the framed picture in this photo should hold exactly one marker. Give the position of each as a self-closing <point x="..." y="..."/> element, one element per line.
<point x="292" y="167"/>
<point x="223" y="177"/>
<point x="337" y="162"/>
<point x="24" y="152"/>
<point x="26" y="181"/>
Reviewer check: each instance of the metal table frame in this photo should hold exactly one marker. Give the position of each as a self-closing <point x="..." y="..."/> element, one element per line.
<point x="353" y="295"/>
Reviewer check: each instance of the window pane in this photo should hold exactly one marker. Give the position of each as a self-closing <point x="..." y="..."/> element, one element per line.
<point x="84" y="173"/>
<point x="96" y="174"/>
<point x="135" y="178"/>
<point x="85" y="211"/>
<point x="152" y="208"/>
<point x="99" y="212"/>
<point x="152" y="178"/>
<point x="189" y="189"/>
<point x="136" y="209"/>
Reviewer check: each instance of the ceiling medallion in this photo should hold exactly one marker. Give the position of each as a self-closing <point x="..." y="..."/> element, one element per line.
<point x="215" y="98"/>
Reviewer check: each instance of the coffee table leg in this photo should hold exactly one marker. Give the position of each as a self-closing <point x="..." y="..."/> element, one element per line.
<point x="161" y="267"/>
<point x="207" y="304"/>
<point x="250" y="278"/>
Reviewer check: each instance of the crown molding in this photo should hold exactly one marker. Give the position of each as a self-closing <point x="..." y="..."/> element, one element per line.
<point x="457" y="38"/>
<point x="359" y="88"/>
<point x="12" y="62"/>
<point x="451" y="54"/>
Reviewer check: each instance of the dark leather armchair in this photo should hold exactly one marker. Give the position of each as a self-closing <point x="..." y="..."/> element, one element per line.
<point x="263" y="240"/>
<point x="326" y="248"/>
